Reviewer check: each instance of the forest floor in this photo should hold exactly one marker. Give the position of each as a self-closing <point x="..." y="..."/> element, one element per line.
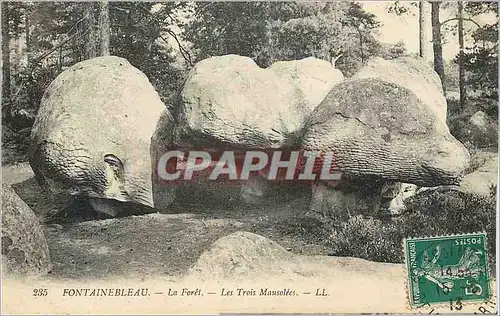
<point x="168" y="244"/>
<point x="159" y="244"/>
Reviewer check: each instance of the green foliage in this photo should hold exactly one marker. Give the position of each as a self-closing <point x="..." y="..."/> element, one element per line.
<point x="272" y="31"/>
<point x="427" y="214"/>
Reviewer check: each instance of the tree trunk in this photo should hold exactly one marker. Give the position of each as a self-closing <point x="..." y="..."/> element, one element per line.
<point x="461" y="70"/>
<point x="104" y="28"/>
<point x="90" y="29"/>
<point x="436" y="42"/>
<point x="6" y="108"/>
<point x="422" y="27"/>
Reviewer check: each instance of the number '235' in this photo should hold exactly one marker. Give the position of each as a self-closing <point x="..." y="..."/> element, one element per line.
<point x="40" y="292"/>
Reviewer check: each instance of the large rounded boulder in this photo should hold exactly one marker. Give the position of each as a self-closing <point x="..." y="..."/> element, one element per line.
<point x="230" y="103"/>
<point x="230" y="100"/>
<point x="381" y="129"/>
<point x="413" y="74"/>
<point x="384" y="126"/>
<point x="92" y="135"/>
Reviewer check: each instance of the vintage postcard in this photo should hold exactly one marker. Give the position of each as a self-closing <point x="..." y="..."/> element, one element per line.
<point x="249" y="157"/>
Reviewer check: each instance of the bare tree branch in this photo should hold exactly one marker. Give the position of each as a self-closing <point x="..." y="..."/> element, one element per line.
<point x="45" y="55"/>
<point x="464" y="19"/>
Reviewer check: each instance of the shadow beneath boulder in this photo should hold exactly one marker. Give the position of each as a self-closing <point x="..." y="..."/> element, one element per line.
<point x="31" y="193"/>
<point x="227" y="200"/>
<point x="65" y="209"/>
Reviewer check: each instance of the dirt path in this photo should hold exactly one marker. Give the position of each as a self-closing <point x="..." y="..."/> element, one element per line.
<point x="160" y="244"/>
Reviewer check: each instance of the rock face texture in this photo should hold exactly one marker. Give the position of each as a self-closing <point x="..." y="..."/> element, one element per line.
<point x="314" y="77"/>
<point x="161" y="142"/>
<point x="24" y="247"/>
<point x="481" y="180"/>
<point x="415" y="75"/>
<point x="92" y="135"/>
<point x="255" y="262"/>
<point x="380" y="129"/>
<point x="246" y="256"/>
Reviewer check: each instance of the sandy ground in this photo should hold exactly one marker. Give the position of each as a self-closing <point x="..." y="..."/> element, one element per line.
<point x="159" y="244"/>
<point x="155" y="251"/>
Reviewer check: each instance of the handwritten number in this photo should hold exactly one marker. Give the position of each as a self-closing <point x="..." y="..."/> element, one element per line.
<point x="458" y="305"/>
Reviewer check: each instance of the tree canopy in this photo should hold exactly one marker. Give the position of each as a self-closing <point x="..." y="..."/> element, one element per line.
<point x="273" y="31"/>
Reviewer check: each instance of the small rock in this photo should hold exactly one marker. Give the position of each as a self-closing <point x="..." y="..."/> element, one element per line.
<point x="481" y="180"/>
<point x="24" y="247"/>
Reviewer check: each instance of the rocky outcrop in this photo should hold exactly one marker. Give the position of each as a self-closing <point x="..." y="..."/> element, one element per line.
<point x="24" y="247"/>
<point x="92" y="135"/>
<point x="247" y="256"/>
<point x="229" y="100"/>
<point x="415" y="75"/>
<point x="381" y="127"/>
<point x="255" y="262"/>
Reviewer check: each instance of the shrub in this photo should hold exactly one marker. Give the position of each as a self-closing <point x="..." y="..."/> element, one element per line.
<point x="428" y="214"/>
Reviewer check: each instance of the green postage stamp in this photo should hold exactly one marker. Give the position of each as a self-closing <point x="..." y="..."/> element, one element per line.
<point x="447" y="269"/>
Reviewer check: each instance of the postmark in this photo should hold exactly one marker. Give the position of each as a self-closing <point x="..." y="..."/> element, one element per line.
<point x="446" y="269"/>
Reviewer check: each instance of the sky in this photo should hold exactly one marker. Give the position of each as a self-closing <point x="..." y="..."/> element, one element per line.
<point x="396" y="28"/>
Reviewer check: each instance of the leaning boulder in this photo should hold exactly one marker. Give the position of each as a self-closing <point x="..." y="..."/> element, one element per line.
<point x="24" y="247"/>
<point x="380" y="129"/>
<point x="92" y="135"/>
<point x="383" y="131"/>
<point x="313" y="76"/>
